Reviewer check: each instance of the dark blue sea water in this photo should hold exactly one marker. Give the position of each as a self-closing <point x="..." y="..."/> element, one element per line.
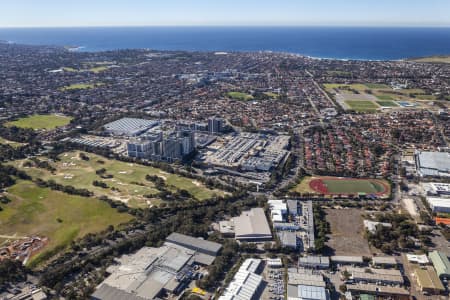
<point x="323" y="42"/>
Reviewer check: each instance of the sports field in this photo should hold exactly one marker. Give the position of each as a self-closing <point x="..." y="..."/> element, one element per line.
<point x="387" y="103"/>
<point x="127" y="181"/>
<point x="343" y="186"/>
<point x="60" y="217"/>
<point x="40" y="122"/>
<point x="361" y="105"/>
<point x="370" y="95"/>
<point x="239" y="96"/>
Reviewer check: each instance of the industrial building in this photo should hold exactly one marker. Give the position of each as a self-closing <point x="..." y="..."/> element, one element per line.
<point x="294" y="223"/>
<point x="314" y="262"/>
<point x="387" y="276"/>
<point x="438" y="189"/>
<point x="247" y="283"/>
<point x="252" y="226"/>
<point x="428" y="281"/>
<point x="432" y="164"/>
<point x="347" y="260"/>
<point x="305" y="277"/>
<point x="441" y="264"/>
<point x="278" y="210"/>
<point x="129" y="126"/>
<point x="439" y="205"/>
<point x="384" y="261"/>
<point x="307" y="292"/>
<point x="288" y="239"/>
<point x="151" y="272"/>
<point x="380" y="291"/>
<point x="204" y="251"/>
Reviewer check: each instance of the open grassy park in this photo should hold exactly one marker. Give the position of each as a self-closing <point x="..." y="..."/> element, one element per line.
<point x="80" y="86"/>
<point x="10" y="143"/>
<point x="60" y="217"/>
<point x="125" y="181"/>
<point x="239" y="96"/>
<point x="41" y="122"/>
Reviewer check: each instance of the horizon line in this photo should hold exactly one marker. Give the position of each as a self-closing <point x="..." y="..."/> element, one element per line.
<point x="236" y="26"/>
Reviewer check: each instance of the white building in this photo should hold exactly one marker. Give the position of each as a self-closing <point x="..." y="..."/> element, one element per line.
<point x="278" y="210"/>
<point x="246" y="284"/>
<point x="440" y="205"/>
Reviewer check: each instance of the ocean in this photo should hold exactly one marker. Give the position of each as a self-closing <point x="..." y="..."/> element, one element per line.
<point x="321" y="42"/>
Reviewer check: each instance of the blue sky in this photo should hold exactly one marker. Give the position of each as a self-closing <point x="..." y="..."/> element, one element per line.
<point x="56" y="13"/>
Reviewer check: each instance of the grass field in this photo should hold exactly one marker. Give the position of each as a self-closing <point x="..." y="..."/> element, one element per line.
<point x="353" y="186"/>
<point x="337" y="185"/>
<point x="35" y="211"/>
<point x="239" y="96"/>
<point x="387" y="103"/>
<point x="38" y="122"/>
<point x="355" y="86"/>
<point x="80" y="86"/>
<point x="11" y="143"/>
<point x="362" y="105"/>
<point x="128" y="183"/>
<point x="385" y="97"/>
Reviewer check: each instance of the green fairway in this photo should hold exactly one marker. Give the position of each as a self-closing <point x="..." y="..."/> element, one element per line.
<point x="387" y="103"/>
<point x="56" y="215"/>
<point x="38" y="122"/>
<point x="80" y="86"/>
<point x="127" y="183"/>
<point x="98" y="69"/>
<point x="362" y="105"/>
<point x="271" y="95"/>
<point x="353" y="186"/>
<point x="239" y="96"/>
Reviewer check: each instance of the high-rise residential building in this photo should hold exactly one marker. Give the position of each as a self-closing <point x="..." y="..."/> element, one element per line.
<point x="172" y="147"/>
<point x="216" y="125"/>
